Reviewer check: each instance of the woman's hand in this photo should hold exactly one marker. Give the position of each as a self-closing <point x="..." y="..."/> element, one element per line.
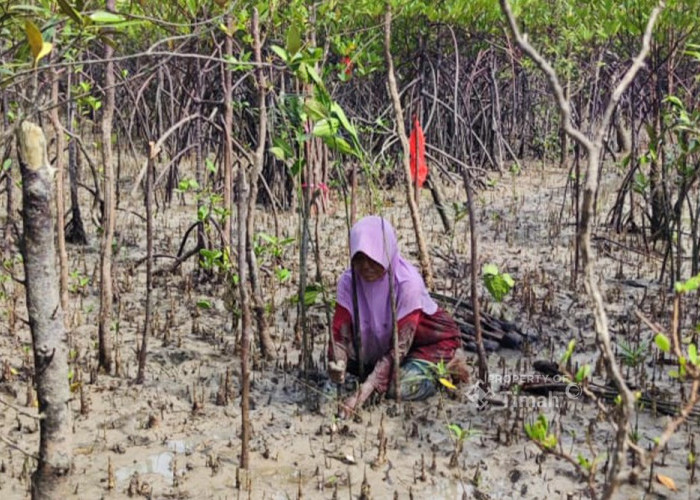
<point x="336" y="371"/>
<point x="355" y="402"/>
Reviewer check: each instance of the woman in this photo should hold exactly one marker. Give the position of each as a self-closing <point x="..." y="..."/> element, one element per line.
<point x="426" y="333"/>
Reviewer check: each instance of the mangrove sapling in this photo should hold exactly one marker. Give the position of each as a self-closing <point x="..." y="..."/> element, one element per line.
<point x="459" y="436"/>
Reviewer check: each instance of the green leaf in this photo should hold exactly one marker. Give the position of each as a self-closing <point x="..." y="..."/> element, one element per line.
<point x="340" y="114"/>
<point x="490" y="269"/>
<point x="456" y="430"/>
<point x="281" y="149"/>
<point x="315" y="109"/>
<point x="569" y="351"/>
<point x="674" y="100"/>
<point x="693" y="354"/>
<point x="67" y="9"/>
<point x="280" y="52"/>
<point x="210" y="165"/>
<point x="278" y="152"/>
<point x="202" y="213"/>
<point x="283" y="274"/>
<point x="327" y="127"/>
<point x="297" y="166"/>
<point x="662" y="342"/>
<point x="690" y="285"/>
<point x="293" y="39"/>
<point x="496" y="283"/>
<point x="339" y="144"/>
<point x="204" y="304"/>
<point x="582" y="373"/>
<point x="104" y="17"/>
<point x="314" y="76"/>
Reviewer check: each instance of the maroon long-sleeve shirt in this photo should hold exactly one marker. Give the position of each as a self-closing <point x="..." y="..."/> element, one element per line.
<point x="432" y="338"/>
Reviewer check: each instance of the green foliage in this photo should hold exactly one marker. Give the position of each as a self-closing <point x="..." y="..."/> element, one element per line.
<point x="204" y="304"/>
<point x="498" y="284"/>
<point x="693" y="354"/>
<point x="460" y="434"/>
<point x="538" y="431"/>
<point x="569" y="351"/>
<point x="78" y="282"/>
<point x="662" y="342"/>
<point x="312" y="295"/>
<point x="582" y="373"/>
<point x="633" y="356"/>
<point x="269" y="245"/>
<point x="186" y="185"/>
<point x="689" y="285"/>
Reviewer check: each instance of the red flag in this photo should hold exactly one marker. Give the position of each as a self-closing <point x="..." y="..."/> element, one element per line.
<point x="419" y="169"/>
<point x="348" y="65"/>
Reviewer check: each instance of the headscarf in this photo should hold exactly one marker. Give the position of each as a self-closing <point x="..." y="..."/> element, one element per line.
<point x="375" y="237"/>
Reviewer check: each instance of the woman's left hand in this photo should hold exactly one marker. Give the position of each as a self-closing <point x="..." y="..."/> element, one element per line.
<point x="355" y="402"/>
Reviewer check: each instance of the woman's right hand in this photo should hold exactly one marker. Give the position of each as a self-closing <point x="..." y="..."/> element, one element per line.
<point x="336" y="371"/>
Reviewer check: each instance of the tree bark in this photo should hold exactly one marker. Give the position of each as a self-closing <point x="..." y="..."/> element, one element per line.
<point x="481" y="352"/>
<point x="49" y="337"/>
<point x="60" y="202"/>
<point x="143" y="351"/>
<point x="267" y="347"/>
<point x="242" y="203"/>
<point x="8" y="177"/>
<point x="245" y="319"/>
<point x="76" y="230"/>
<point x="406" y="160"/>
<point x="228" y="130"/>
<point x="108" y="216"/>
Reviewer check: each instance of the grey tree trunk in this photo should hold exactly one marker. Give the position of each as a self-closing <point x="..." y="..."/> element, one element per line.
<point x="60" y="202"/>
<point x="49" y="337"/>
<point x="105" y="354"/>
<point x="267" y="347"/>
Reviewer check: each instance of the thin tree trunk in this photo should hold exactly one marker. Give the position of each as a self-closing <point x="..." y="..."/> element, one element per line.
<point x="243" y="194"/>
<point x="228" y="130"/>
<point x="267" y="347"/>
<point x="8" y="178"/>
<point x="406" y="160"/>
<point x="76" y="230"/>
<point x="105" y="354"/>
<point x="143" y="351"/>
<point x="245" y="319"/>
<point x="60" y="201"/>
<point x="481" y="352"/>
<point x="49" y="337"/>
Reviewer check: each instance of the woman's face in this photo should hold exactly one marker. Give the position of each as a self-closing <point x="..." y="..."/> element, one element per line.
<point x="368" y="269"/>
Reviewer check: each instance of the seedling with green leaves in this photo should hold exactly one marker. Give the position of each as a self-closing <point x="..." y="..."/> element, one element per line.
<point x="538" y="432"/>
<point x="459" y="435"/>
<point x="498" y="284"/>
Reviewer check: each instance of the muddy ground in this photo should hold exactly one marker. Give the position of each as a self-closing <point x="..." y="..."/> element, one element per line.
<point x="170" y="439"/>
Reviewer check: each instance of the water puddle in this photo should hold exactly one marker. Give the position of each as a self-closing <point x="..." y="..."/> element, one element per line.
<point x="159" y="463"/>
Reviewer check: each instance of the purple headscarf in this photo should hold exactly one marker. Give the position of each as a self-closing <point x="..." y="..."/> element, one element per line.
<point x="375" y="237"/>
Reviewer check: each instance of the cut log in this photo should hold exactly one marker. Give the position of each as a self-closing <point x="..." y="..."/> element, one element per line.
<point x="497" y="333"/>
